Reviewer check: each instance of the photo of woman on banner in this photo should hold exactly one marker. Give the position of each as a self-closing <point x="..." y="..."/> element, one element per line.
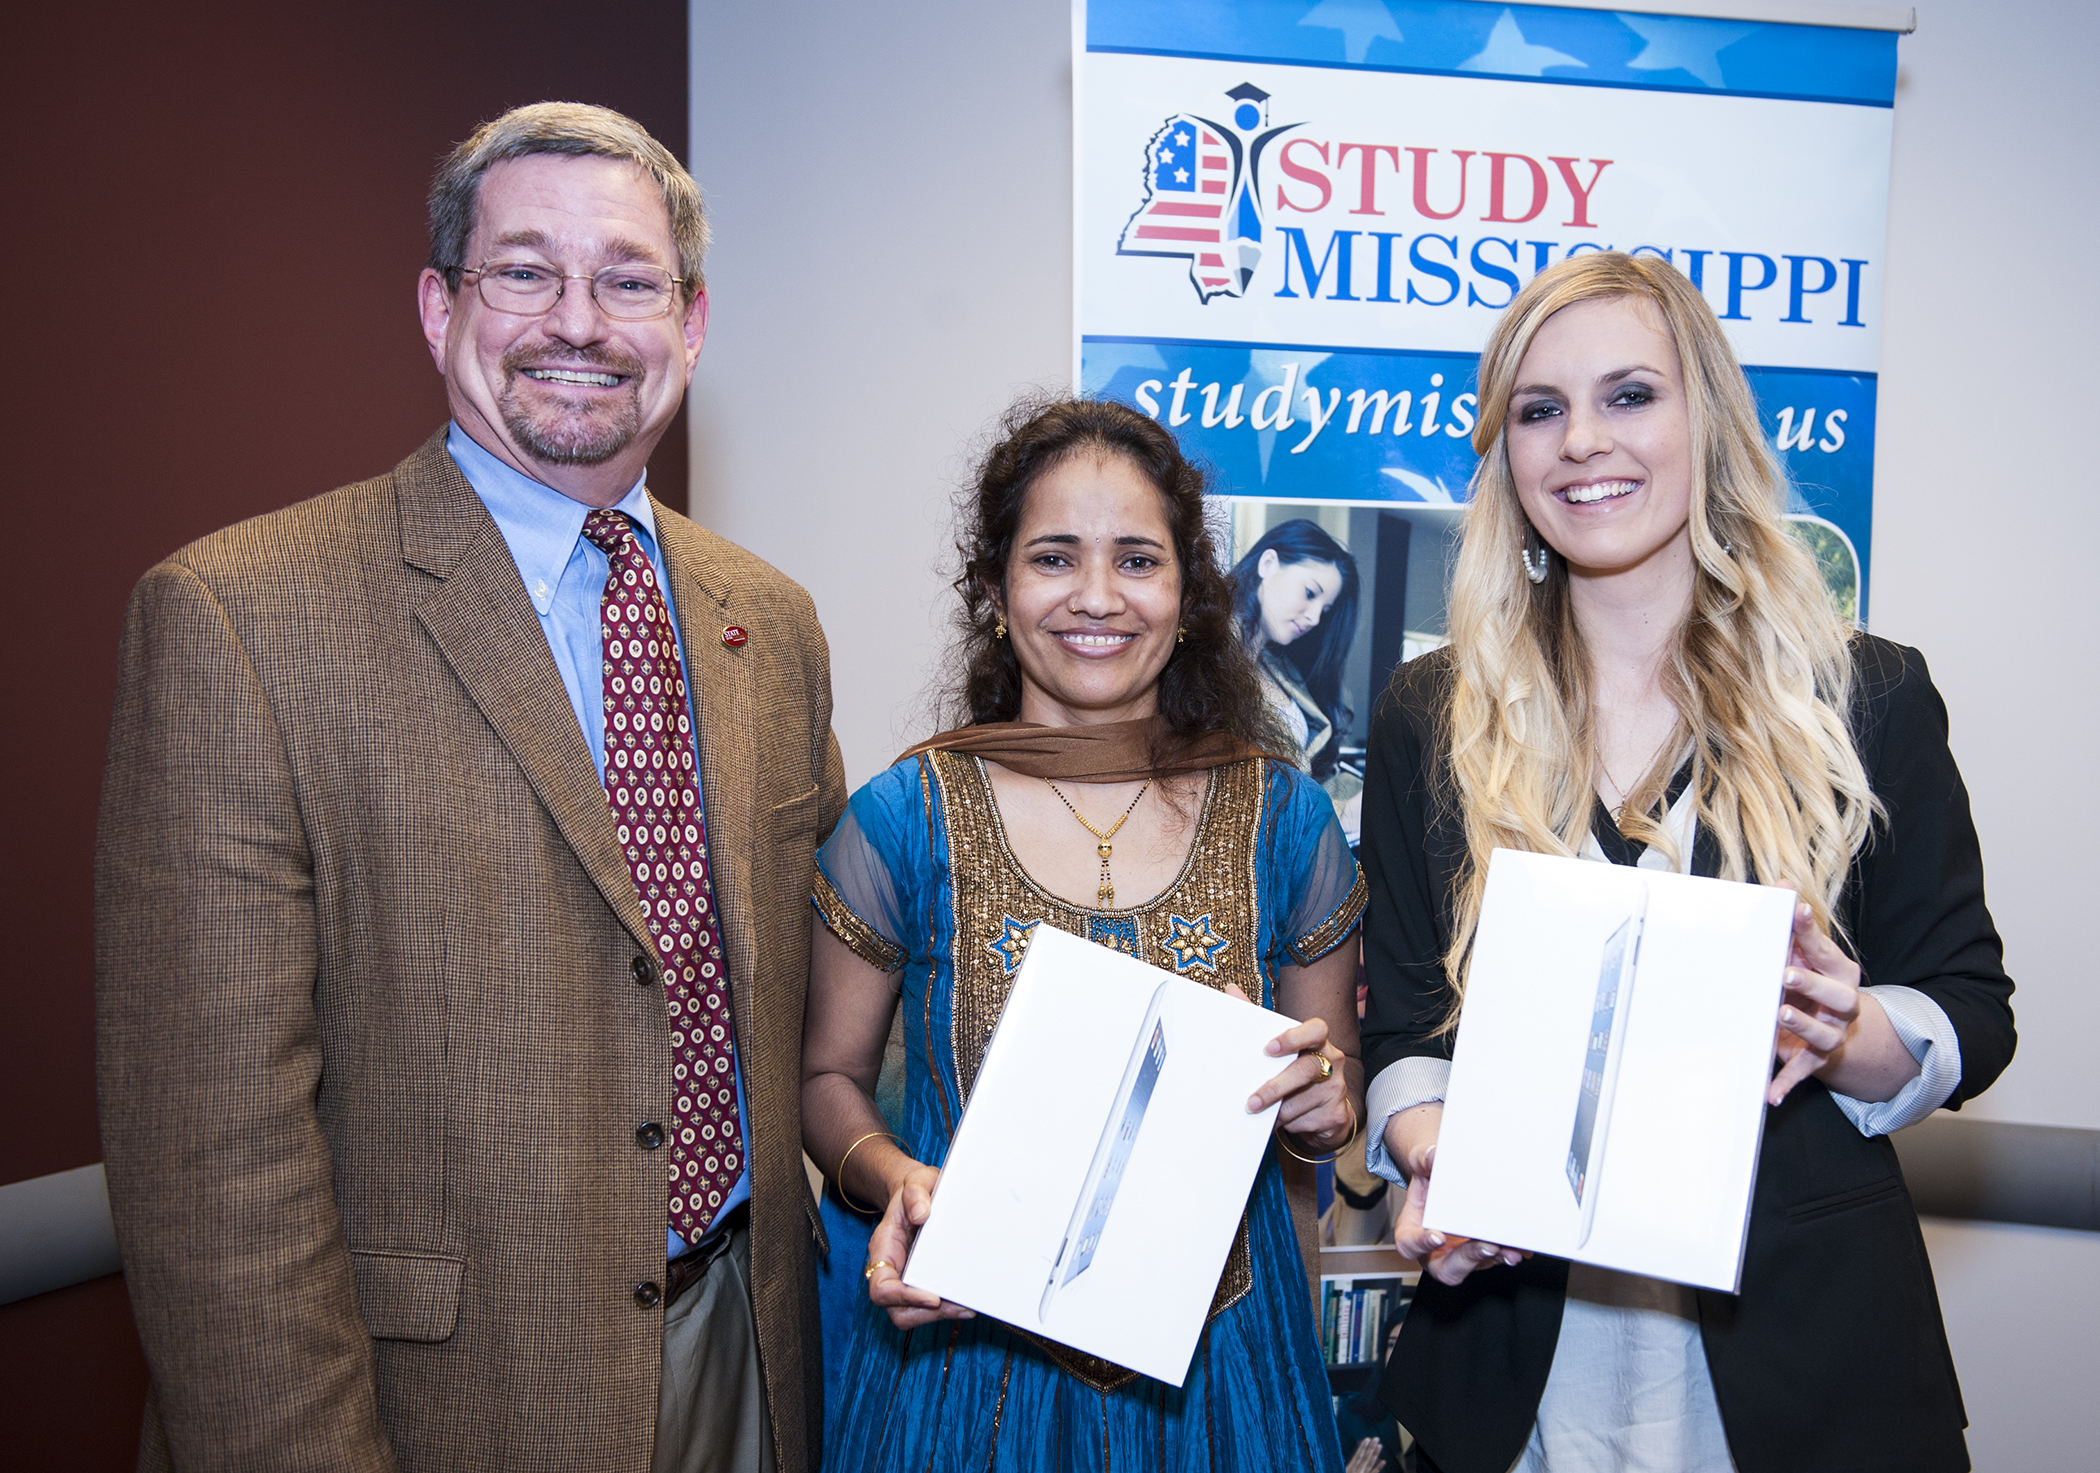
<point x="1646" y="669"/>
<point x="1114" y="772"/>
<point x="1295" y="594"/>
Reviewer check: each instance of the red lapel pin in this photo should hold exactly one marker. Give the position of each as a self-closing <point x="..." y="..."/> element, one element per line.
<point x="734" y="636"/>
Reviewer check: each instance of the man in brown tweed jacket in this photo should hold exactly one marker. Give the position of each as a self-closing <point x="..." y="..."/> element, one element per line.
<point x="386" y="1074"/>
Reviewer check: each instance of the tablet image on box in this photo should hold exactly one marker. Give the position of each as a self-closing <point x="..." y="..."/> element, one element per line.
<point x="1606" y="1096"/>
<point x="1600" y="1069"/>
<point x="1098" y="1195"/>
<point x="1065" y="1205"/>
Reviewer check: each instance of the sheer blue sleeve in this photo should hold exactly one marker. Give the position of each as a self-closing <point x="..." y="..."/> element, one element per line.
<point x="1324" y="891"/>
<point x="866" y="879"/>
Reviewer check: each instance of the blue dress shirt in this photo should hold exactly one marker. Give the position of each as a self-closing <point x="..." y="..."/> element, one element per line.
<point x="564" y="575"/>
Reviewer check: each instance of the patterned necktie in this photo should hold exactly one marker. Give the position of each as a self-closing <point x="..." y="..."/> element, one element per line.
<point x="654" y="792"/>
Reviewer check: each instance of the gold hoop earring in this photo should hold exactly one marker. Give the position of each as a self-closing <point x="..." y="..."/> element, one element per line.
<point x="1000" y="631"/>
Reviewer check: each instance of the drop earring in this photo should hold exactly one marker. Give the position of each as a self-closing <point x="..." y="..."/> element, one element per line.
<point x="1534" y="563"/>
<point x="1000" y="631"/>
<point x="1181" y="635"/>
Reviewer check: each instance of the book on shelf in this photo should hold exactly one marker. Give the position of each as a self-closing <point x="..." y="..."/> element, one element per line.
<point x="1359" y="1314"/>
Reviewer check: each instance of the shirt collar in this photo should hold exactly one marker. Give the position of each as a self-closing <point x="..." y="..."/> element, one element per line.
<point x="541" y="525"/>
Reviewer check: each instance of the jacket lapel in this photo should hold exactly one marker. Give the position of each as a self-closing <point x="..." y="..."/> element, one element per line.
<point x="723" y="685"/>
<point x="484" y="625"/>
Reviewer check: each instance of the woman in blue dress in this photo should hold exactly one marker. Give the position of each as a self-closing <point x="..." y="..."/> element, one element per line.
<point x="1113" y="781"/>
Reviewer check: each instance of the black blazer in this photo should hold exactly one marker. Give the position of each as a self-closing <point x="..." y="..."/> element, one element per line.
<point x="1832" y="1356"/>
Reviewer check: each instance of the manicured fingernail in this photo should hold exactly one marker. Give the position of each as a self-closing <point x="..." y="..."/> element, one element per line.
<point x="1436" y="1240"/>
<point x="1786" y="1015"/>
<point x="1802" y="910"/>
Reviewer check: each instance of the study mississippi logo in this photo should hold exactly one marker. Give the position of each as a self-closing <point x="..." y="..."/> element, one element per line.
<point x="1278" y="211"/>
<point x="1204" y="204"/>
<point x="1203" y="194"/>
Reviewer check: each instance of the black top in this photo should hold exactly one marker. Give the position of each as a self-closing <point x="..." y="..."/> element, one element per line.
<point x="1832" y="1356"/>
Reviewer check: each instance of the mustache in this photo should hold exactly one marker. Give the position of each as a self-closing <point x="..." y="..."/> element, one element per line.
<point x="595" y="357"/>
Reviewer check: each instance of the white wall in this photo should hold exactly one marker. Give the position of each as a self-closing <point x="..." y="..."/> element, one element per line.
<point x="891" y="193"/>
<point x="1986" y="520"/>
<point x="891" y="190"/>
<point x="2022" y="1309"/>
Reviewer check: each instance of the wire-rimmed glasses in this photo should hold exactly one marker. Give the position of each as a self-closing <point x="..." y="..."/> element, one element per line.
<point x="633" y="291"/>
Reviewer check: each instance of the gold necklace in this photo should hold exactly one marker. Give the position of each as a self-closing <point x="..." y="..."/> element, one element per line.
<point x="1106" y="894"/>
<point x="1624" y="795"/>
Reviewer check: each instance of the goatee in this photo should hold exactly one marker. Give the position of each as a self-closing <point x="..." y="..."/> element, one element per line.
<point x="588" y="433"/>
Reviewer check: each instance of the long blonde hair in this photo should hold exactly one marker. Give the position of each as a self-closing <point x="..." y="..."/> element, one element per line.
<point x="1759" y="669"/>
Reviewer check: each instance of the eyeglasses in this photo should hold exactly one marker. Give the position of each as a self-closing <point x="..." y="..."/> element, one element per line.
<point x="631" y="292"/>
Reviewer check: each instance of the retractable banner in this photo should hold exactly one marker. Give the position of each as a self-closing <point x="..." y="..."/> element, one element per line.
<point x="1297" y="222"/>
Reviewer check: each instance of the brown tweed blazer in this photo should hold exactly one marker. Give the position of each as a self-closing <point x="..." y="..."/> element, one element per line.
<point x="372" y="1052"/>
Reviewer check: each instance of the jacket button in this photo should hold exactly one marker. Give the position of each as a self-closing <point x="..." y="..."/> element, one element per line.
<point x="650" y="1136"/>
<point x="641" y="971"/>
<point x="648" y="1296"/>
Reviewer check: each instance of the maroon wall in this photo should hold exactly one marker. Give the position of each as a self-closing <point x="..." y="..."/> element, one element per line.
<point x="214" y="220"/>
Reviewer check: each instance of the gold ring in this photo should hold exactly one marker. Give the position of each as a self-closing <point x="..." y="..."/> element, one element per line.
<point x="869" y="1272"/>
<point x="1326" y="1066"/>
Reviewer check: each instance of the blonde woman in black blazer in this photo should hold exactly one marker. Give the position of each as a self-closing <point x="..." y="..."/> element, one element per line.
<point x="1644" y="662"/>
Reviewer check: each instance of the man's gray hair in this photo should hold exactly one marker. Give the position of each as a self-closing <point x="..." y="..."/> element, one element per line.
<point x="574" y="129"/>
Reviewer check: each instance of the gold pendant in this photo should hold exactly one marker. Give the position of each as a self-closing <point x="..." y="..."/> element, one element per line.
<point x="1105" y="894"/>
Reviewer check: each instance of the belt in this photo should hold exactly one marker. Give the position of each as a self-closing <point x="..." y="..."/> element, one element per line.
<point x="686" y="1270"/>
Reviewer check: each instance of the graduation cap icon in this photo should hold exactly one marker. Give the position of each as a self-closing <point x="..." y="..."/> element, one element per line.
<point x="1248" y="115"/>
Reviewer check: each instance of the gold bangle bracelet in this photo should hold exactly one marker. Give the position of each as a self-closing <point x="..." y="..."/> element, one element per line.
<point x="839" y="1177"/>
<point x="1322" y="1161"/>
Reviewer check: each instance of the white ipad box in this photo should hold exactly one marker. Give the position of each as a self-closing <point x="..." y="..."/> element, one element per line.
<point x="1098" y="1174"/>
<point x="1606" y="1101"/>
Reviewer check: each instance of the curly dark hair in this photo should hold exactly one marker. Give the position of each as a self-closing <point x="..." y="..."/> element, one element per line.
<point x="1209" y="683"/>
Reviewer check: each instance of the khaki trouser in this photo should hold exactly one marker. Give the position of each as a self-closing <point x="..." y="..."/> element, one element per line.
<point x="711" y="1412"/>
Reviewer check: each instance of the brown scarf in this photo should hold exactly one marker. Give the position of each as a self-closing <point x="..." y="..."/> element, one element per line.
<point x="1118" y="752"/>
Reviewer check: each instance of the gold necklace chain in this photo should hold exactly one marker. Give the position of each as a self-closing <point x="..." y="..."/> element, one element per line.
<point x="1106" y="894"/>
<point x="1624" y="795"/>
